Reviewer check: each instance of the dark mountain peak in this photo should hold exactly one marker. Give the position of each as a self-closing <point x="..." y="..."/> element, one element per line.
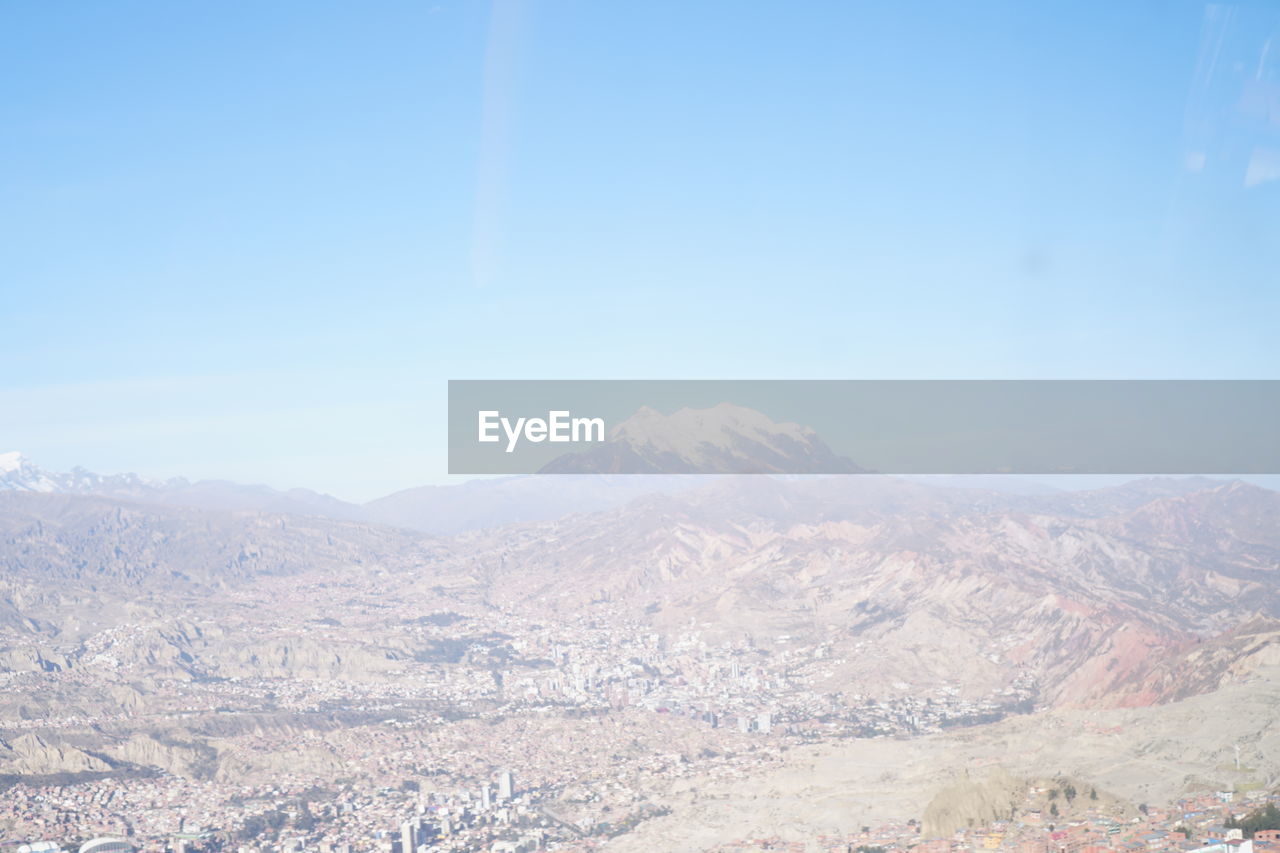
<point x="722" y="439"/>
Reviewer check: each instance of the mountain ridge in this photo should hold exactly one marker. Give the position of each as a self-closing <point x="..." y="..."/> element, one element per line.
<point x="722" y="439"/>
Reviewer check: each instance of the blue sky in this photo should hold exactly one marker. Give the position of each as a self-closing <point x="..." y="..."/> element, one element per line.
<point x="253" y="240"/>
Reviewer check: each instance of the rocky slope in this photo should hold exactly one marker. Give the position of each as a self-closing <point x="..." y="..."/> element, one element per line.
<point x="930" y="584"/>
<point x="1138" y="755"/>
<point x="1151" y="593"/>
<point x="91" y="541"/>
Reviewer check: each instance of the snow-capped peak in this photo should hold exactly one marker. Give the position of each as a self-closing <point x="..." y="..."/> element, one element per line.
<point x="11" y="461"/>
<point x="18" y="474"/>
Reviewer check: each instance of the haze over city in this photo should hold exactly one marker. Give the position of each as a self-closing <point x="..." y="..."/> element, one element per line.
<point x="249" y="248"/>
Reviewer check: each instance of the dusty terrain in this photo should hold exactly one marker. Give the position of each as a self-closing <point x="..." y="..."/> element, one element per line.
<point x="1147" y="755"/>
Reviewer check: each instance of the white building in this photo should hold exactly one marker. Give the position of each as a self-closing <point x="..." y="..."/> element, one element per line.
<point x="106" y="845"/>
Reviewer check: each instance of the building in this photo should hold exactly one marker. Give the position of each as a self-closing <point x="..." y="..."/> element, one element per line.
<point x="40" y="847"/>
<point x="410" y="835"/>
<point x="106" y="845"/>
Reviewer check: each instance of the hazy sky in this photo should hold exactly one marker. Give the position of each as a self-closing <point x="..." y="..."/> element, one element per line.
<point x="252" y="240"/>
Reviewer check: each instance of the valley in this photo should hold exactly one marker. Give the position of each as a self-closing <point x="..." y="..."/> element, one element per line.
<point x="738" y="654"/>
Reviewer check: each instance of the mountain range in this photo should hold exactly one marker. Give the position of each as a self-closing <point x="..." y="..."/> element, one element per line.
<point x="670" y="449"/>
<point x="1098" y="596"/>
<point x="123" y="600"/>
<point x="433" y="509"/>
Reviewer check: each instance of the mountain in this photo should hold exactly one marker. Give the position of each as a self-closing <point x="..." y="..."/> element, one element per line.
<point x="912" y="584"/>
<point x="478" y="504"/>
<point x="438" y="510"/>
<point x="242" y="645"/>
<point x="18" y="474"/>
<point x="1091" y="597"/>
<point x="96" y="542"/>
<point x="724" y="439"/>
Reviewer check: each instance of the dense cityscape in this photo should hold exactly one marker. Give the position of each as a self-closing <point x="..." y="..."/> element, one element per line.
<point x="410" y="746"/>
<point x="167" y="815"/>
<point x="614" y="680"/>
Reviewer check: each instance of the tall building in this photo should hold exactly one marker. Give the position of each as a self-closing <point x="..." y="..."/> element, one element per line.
<point x="506" y="785"/>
